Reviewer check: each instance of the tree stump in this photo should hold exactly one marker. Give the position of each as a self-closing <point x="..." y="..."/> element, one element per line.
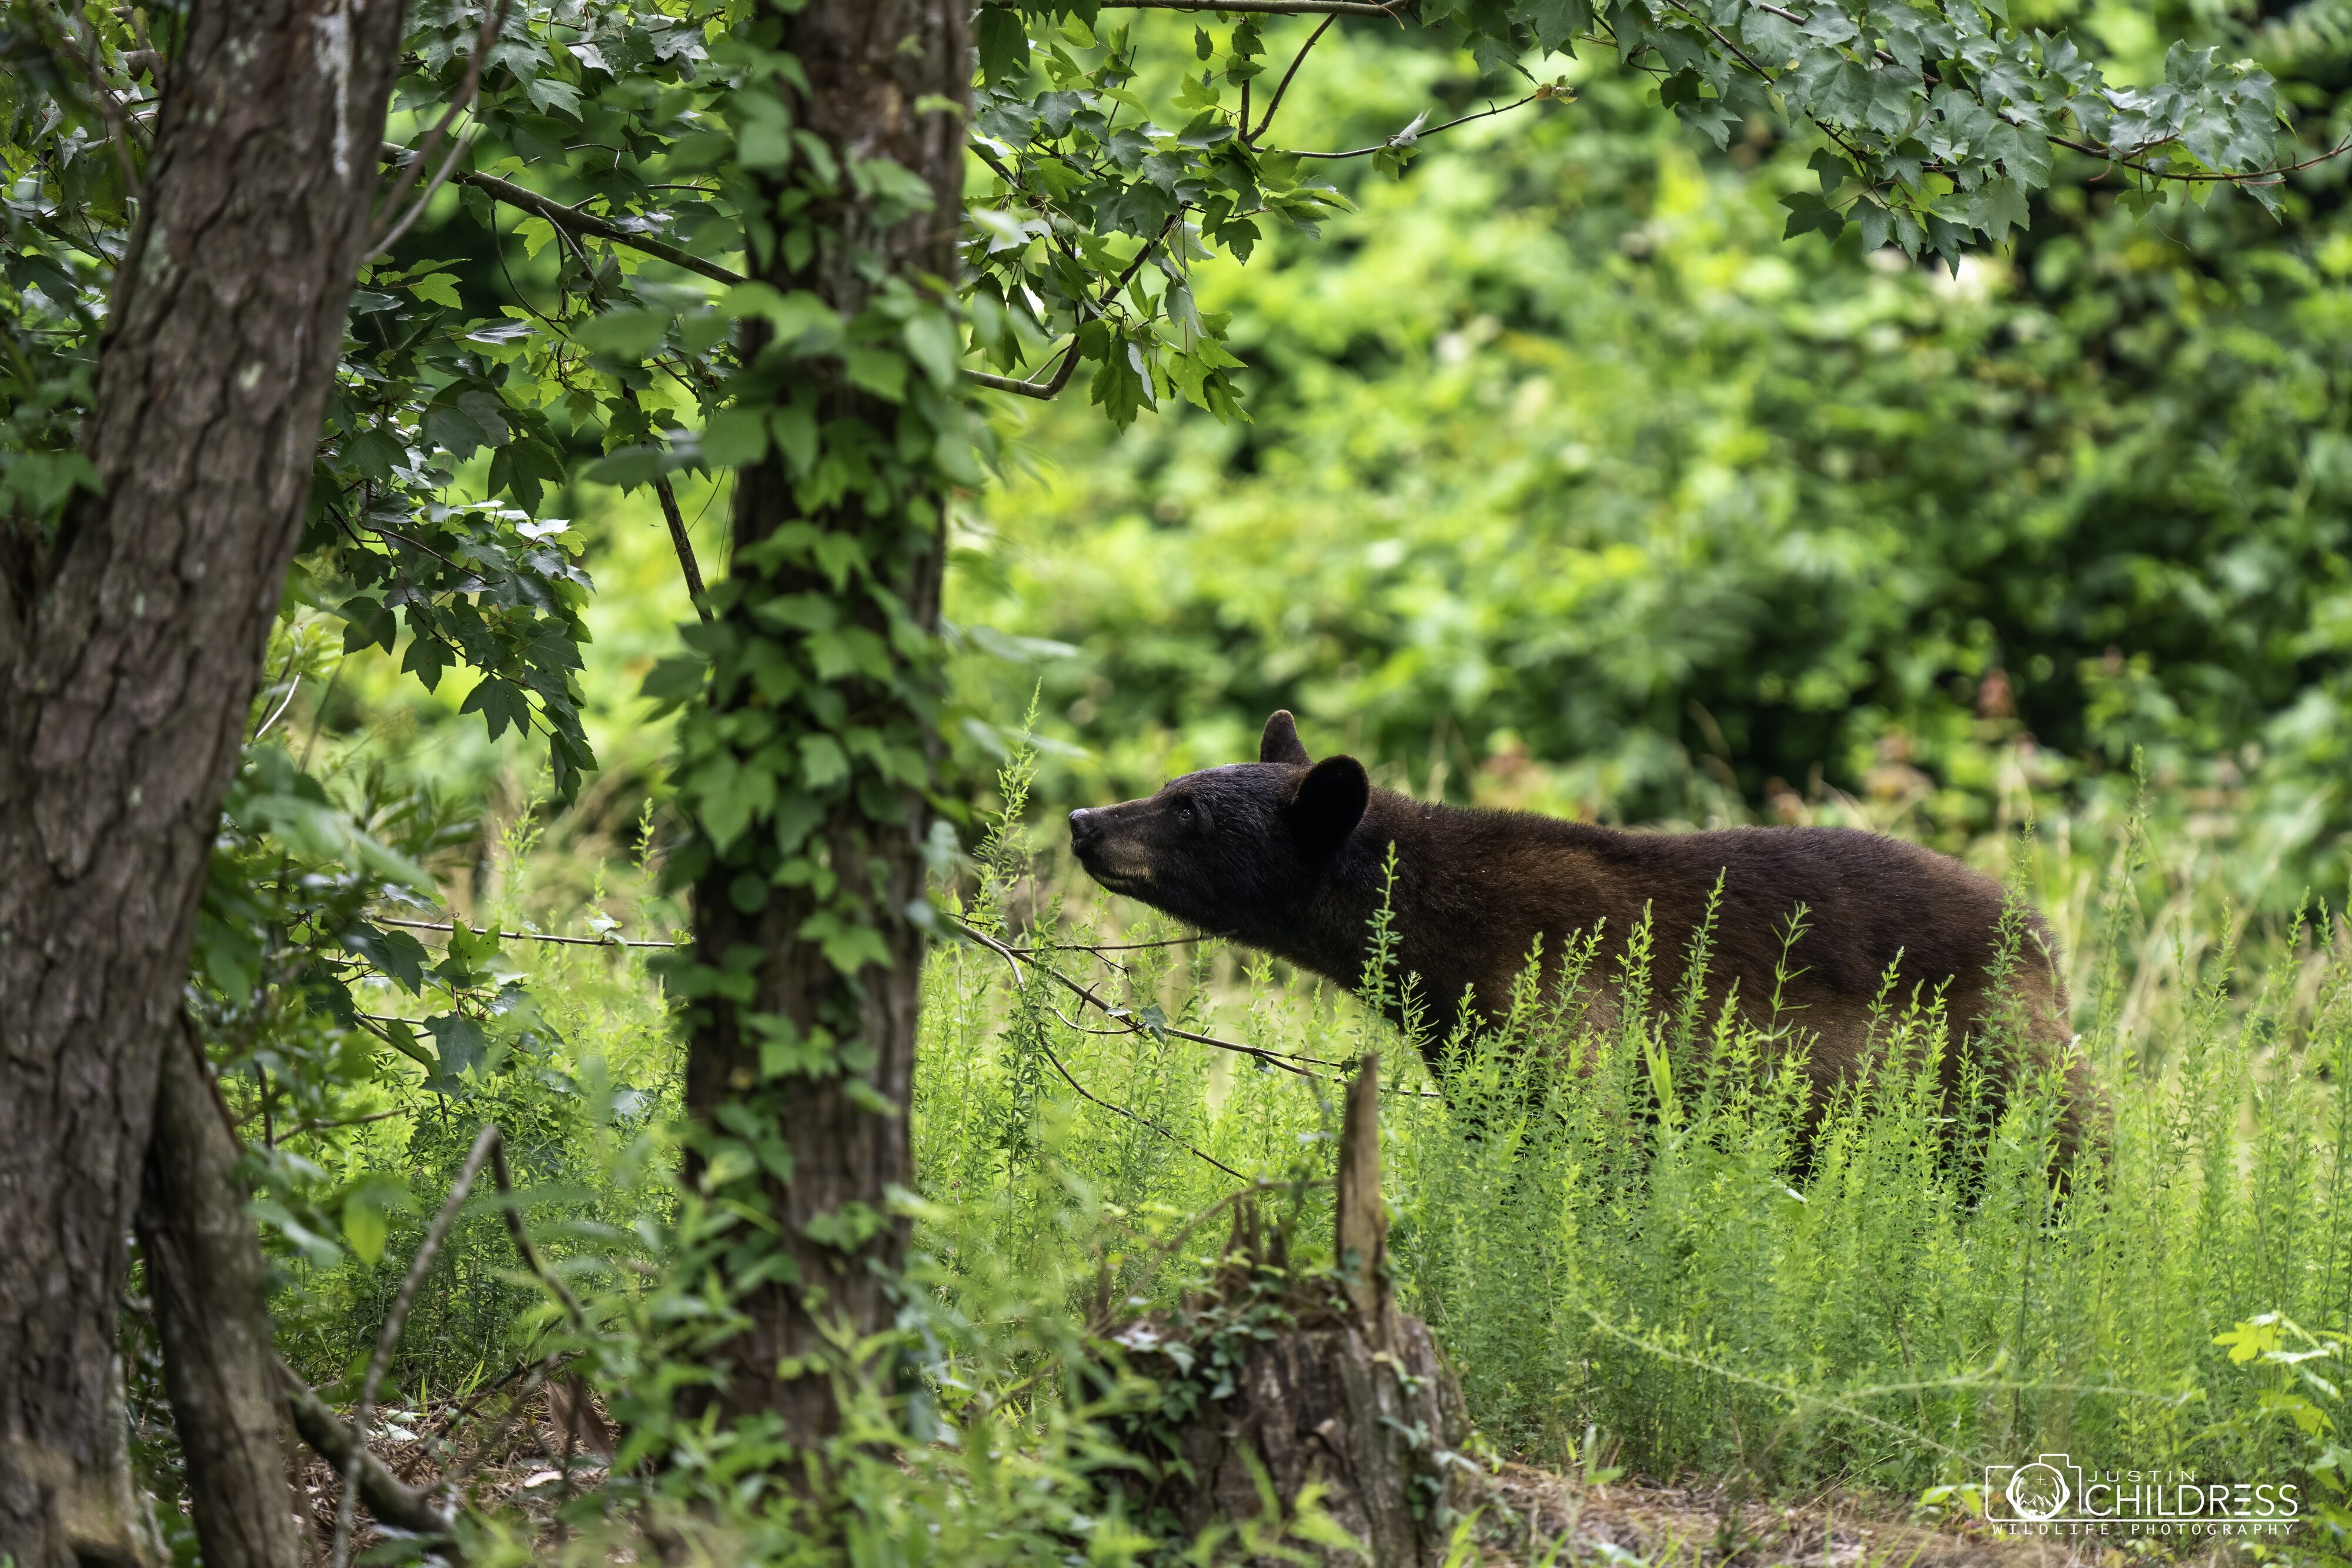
<point x="1347" y="1396"/>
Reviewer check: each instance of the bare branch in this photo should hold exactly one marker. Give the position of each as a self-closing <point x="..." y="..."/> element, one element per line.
<point x="1257" y="7"/>
<point x="1283" y="86"/>
<point x="1086" y="1093"/>
<point x="523" y="935"/>
<point x="408" y="220"/>
<point x="574" y="221"/>
<point x="494" y="22"/>
<point x="530" y="1257"/>
<point x="1486" y="113"/>
<point x="571" y="220"/>
<point x="390" y="1498"/>
<point x="1016" y="956"/>
<point x="435" y="1234"/>
<point x="675" y="519"/>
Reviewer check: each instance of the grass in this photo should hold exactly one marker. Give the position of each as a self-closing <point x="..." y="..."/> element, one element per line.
<point x="1629" y="1266"/>
<point x="1627" y="1258"/>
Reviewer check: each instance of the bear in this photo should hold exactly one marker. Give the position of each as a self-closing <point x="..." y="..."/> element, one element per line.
<point x="1287" y="854"/>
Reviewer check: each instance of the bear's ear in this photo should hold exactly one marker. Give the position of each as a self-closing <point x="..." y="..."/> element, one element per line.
<point x="1329" y="803"/>
<point x="1280" y="742"/>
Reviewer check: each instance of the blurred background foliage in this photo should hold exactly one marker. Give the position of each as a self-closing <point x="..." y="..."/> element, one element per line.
<point x="1569" y="484"/>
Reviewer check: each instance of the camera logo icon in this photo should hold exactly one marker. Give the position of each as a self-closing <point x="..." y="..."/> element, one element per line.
<point x="2038" y="1491"/>
<point x="2035" y="1493"/>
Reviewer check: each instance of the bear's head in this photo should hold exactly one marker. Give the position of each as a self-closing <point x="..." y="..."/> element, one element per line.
<point x="1230" y="849"/>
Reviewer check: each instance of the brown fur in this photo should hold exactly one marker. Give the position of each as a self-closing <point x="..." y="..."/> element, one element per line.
<point x="1285" y="854"/>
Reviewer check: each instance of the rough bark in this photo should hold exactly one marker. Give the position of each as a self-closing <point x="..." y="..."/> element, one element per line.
<point x="129" y="648"/>
<point x="211" y="1289"/>
<point x="869" y="62"/>
<point x="1377" y="1429"/>
<point x="1354" y="1398"/>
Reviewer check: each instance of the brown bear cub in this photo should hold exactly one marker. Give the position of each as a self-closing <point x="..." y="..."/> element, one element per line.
<point x="1286" y="855"/>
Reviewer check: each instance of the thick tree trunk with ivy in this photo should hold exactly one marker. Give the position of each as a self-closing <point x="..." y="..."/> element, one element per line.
<point x="809" y="772"/>
<point x="130" y="649"/>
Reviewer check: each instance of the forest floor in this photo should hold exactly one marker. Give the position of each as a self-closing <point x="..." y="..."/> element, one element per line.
<point x="1708" y="1525"/>
<point x="523" y="1467"/>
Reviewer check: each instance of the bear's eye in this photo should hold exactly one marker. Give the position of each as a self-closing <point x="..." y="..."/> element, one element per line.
<point x="1185" y="812"/>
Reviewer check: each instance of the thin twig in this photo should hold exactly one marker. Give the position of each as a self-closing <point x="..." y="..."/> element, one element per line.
<point x="1139" y="1121"/>
<point x="392" y="1501"/>
<point x="434" y="1235"/>
<point x="572" y="220"/>
<point x="424" y="199"/>
<point x="1047" y="389"/>
<point x="1283" y="86"/>
<point x="292" y="686"/>
<point x="1430" y="130"/>
<point x="1128" y="1024"/>
<point x="2257" y="177"/>
<point x="678" y="538"/>
<point x="1255" y="7"/>
<point x="524" y="935"/>
<point x="530" y="1257"/>
<point x="1101" y="948"/>
<point x="309" y="1127"/>
<point x="494" y="22"/>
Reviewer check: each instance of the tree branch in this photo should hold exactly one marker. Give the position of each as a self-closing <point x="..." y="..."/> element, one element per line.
<point x="675" y="519"/>
<point x="1283" y="86"/>
<point x="435" y="1234"/>
<point x="389" y="1498"/>
<point x="1257" y="7"/>
<point x="1040" y="389"/>
<point x="493" y="24"/>
<point x="1046" y="389"/>
<point x="1486" y="113"/>
<point x="523" y="935"/>
<point x="573" y="221"/>
<point x="578" y="222"/>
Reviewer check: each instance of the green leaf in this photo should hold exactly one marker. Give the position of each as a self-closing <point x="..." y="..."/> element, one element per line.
<point x="1003" y="39"/>
<point x="628" y="336"/>
<point x="735" y="437"/>
<point x="501" y="703"/>
<point x="364" y="1227"/>
<point x="822" y="762"/>
<point x="931" y="337"/>
<point x="437" y="288"/>
<point x="882" y="372"/>
<point x="460" y="1044"/>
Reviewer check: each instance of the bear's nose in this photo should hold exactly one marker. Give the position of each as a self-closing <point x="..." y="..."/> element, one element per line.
<point x="1082" y="828"/>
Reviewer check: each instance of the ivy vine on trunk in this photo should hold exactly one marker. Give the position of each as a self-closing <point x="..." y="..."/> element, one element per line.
<point x="809" y="773"/>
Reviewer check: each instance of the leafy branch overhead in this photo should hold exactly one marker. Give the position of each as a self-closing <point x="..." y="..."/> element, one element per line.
<point x="1939" y="123"/>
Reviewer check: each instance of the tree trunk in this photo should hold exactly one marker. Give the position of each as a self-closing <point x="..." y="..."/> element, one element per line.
<point x="211" y="1288"/>
<point x="129" y="650"/>
<point x="840" y="1107"/>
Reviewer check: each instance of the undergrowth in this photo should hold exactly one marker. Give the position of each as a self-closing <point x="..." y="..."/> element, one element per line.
<point x="1634" y="1265"/>
<point x="1638" y="1258"/>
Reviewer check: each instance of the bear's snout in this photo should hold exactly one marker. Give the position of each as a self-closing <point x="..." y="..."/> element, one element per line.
<point x="1085" y="825"/>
